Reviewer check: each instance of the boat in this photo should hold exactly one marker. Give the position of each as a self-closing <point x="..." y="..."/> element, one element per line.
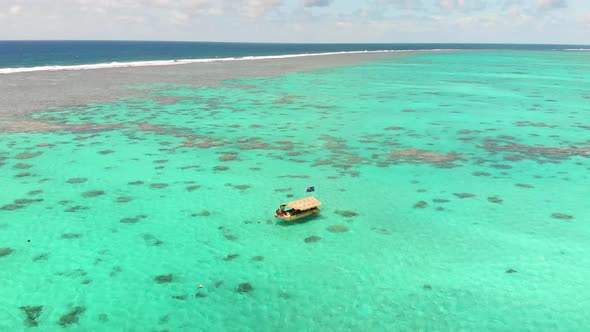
<point x="300" y="208"/>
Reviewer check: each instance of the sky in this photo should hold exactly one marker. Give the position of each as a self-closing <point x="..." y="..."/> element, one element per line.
<point x="364" y="21"/>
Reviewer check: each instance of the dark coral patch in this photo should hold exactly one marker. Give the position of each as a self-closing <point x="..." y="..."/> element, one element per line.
<point x="464" y="195"/>
<point x="346" y="213"/>
<point x="158" y="185"/>
<point x="258" y="258"/>
<point x="562" y="216"/>
<point x="537" y="153"/>
<point x="11" y="207"/>
<point x="22" y="166"/>
<point x="25" y="201"/>
<point x="417" y="156"/>
<point x="203" y="213"/>
<point x="231" y="257"/>
<point x="5" y="251"/>
<point x="71" y="236"/>
<point x="103" y="152"/>
<point x="244" y="287"/>
<point x="77" y="180"/>
<point x="495" y="200"/>
<point x="115" y="271"/>
<point x="481" y="174"/>
<point x="133" y="220"/>
<point x="513" y="157"/>
<point x="164" y="278"/>
<point x="71" y="317"/>
<point x="242" y="186"/>
<point x="193" y="188"/>
<point x="524" y="185"/>
<point x="124" y="199"/>
<point x="27" y="155"/>
<point x="93" y="193"/>
<point x="501" y="166"/>
<point x="221" y="168"/>
<point x="420" y="205"/>
<point x="33" y="313"/>
<point x="511" y="271"/>
<point x="41" y="257"/>
<point x="135" y="183"/>
<point x="440" y="200"/>
<point x="312" y="239"/>
<point x="337" y="229"/>
<point x="228" y="157"/>
<point x="151" y="240"/>
<point x="76" y="208"/>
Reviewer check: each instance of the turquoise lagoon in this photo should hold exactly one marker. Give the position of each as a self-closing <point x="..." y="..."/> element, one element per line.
<point x="454" y="186"/>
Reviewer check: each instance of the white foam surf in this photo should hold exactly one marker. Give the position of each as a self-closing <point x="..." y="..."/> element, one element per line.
<point x="185" y="61"/>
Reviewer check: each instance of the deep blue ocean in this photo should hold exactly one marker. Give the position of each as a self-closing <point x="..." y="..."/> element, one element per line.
<point x="14" y="54"/>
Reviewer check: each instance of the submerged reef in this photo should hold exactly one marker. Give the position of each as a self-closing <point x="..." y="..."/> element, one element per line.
<point x="337" y="229"/>
<point x="539" y="154"/>
<point x="245" y="287"/>
<point x="231" y="257"/>
<point x="346" y="213"/>
<point x="5" y="251"/>
<point x="164" y="278"/>
<point x="32" y="313"/>
<point x="71" y="317"/>
<point x="562" y="216"/>
<point x="93" y="193"/>
<point x="417" y="156"/>
<point x="312" y="239"/>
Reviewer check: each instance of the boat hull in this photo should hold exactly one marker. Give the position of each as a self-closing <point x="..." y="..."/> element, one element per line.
<point x="301" y="215"/>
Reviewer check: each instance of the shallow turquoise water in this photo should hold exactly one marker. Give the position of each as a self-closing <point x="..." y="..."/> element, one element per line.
<point x="457" y="183"/>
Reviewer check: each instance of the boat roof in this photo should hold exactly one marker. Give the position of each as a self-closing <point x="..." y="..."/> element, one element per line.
<point x="304" y="203"/>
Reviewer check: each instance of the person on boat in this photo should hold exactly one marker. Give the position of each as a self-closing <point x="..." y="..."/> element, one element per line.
<point x="281" y="211"/>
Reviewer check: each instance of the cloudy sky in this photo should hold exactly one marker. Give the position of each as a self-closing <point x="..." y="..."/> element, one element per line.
<point x="396" y="21"/>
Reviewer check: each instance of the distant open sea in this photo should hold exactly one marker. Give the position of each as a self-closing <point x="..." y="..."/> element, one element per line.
<point x="30" y="54"/>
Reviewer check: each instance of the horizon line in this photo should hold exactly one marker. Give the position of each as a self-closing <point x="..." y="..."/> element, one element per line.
<point x="283" y="43"/>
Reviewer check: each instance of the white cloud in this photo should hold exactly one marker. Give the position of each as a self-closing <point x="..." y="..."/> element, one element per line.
<point x="316" y="3"/>
<point x="14" y="10"/>
<point x="288" y="20"/>
<point x="402" y="4"/>
<point x="545" y="5"/>
<point x="254" y="8"/>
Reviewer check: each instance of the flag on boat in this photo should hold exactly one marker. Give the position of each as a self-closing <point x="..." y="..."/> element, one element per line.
<point x="310" y="189"/>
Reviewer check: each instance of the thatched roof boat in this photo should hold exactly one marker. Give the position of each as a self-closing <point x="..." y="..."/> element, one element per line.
<point x="300" y="208"/>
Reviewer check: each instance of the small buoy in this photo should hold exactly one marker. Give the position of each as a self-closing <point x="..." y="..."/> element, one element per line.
<point x="149" y="180"/>
<point x="201" y="286"/>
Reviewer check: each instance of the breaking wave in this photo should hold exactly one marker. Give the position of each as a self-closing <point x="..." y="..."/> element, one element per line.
<point x="186" y="61"/>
